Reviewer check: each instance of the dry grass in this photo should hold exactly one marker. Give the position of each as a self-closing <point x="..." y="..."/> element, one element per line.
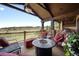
<point x="19" y="36"/>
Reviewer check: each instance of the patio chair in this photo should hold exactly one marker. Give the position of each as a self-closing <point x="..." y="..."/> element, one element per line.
<point x="9" y="48"/>
<point x="12" y="48"/>
<point x="3" y="42"/>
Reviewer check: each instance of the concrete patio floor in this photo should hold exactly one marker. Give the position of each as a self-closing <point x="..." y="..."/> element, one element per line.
<point x="56" y="51"/>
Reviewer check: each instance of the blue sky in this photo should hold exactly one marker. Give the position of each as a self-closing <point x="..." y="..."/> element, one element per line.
<point x="13" y="18"/>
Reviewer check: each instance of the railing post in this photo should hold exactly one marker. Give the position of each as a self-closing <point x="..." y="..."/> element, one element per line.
<point x="24" y="35"/>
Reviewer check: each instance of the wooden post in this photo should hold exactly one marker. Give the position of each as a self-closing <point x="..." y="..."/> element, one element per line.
<point x="24" y="36"/>
<point x="42" y="25"/>
<point x="77" y="24"/>
<point x="52" y="28"/>
<point x="61" y="25"/>
<point x="52" y="24"/>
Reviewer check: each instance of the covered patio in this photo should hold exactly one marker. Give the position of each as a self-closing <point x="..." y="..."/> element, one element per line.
<point x="65" y="14"/>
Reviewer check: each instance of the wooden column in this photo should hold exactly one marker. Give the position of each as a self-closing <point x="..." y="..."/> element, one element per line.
<point x="42" y="25"/>
<point x="77" y="24"/>
<point x="61" y="25"/>
<point x="52" y="24"/>
<point x="52" y="28"/>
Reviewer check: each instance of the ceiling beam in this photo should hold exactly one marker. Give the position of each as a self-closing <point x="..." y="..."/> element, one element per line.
<point x="36" y="13"/>
<point x="47" y="7"/>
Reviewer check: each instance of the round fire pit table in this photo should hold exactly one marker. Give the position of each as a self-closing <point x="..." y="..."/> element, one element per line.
<point x="43" y="46"/>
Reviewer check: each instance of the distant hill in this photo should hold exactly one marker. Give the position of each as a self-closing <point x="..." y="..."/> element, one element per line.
<point x="19" y="29"/>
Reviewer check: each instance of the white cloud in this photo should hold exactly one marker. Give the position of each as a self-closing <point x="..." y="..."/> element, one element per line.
<point x="1" y="9"/>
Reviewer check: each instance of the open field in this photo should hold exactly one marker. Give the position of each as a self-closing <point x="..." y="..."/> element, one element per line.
<point x="13" y="37"/>
<point x="18" y="34"/>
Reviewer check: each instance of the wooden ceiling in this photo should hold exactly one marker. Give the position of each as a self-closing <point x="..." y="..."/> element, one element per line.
<point x="56" y="11"/>
<point x="62" y="8"/>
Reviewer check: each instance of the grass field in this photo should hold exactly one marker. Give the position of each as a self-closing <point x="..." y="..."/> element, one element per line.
<point x="13" y="37"/>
